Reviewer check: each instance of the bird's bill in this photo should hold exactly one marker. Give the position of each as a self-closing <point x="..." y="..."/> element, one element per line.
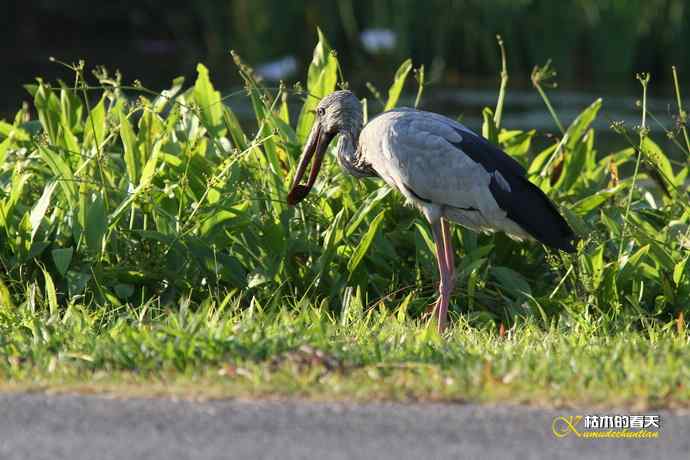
<point x="315" y="147"/>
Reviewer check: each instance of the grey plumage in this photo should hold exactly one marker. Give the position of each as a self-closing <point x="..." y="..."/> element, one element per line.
<point x="443" y="168"/>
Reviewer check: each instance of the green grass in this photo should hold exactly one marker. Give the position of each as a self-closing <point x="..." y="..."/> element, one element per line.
<point x="147" y="247"/>
<point x="214" y="352"/>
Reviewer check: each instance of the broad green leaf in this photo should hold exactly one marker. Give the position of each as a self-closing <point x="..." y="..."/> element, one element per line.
<point x="79" y="224"/>
<point x="321" y="75"/>
<point x="517" y="143"/>
<point x="235" y="217"/>
<point x="285" y="131"/>
<point x="94" y="128"/>
<point x="471" y="267"/>
<point x="489" y="130"/>
<point x="12" y="132"/>
<point x="608" y="287"/>
<point x="594" y="261"/>
<point x="321" y="80"/>
<point x="570" y="140"/>
<point x="595" y="200"/>
<point x="8" y="217"/>
<point x="62" y="258"/>
<point x="77" y="282"/>
<point x="365" y="208"/>
<point x="661" y="255"/>
<point x="232" y="124"/>
<point x="96" y="224"/>
<point x="403" y="306"/>
<point x="398" y="83"/>
<point x="540" y="160"/>
<point x="679" y="270"/>
<point x="364" y="244"/>
<point x="658" y="159"/>
<point x="511" y="281"/>
<point x="48" y="108"/>
<point x="209" y="101"/>
<point x="171" y="159"/>
<point x="150" y="167"/>
<point x="4" y="147"/>
<point x="39" y="210"/>
<point x="51" y="294"/>
<point x="574" y="162"/>
<point x="5" y="296"/>
<point x="581" y="124"/>
<point x="426" y="236"/>
<point x="71" y="107"/>
<point x="129" y="142"/>
<point x="612" y="219"/>
<point x="61" y="172"/>
<point x="70" y="119"/>
<point x="681" y="177"/>
<point x="283" y="109"/>
<point x="331" y="238"/>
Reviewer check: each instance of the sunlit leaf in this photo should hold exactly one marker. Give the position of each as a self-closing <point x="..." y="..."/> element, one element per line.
<point x="61" y="172"/>
<point x="321" y="80"/>
<point x="365" y="208"/>
<point x="95" y="127"/>
<point x="574" y="162"/>
<point x="489" y="130"/>
<point x="659" y="160"/>
<point x="96" y="224"/>
<point x="679" y="270"/>
<point x="129" y="142"/>
<point x="51" y="293"/>
<point x="365" y="242"/>
<point x="581" y="124"/>
<point x="209" y="102"/>
<point x="398" y="83"/>
<point x="39" y="210"/>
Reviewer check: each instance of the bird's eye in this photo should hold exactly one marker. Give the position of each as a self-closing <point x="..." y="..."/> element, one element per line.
<point x="320" y="111"/>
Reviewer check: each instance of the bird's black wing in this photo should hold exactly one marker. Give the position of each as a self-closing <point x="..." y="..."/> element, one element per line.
<point x="525" y="203"/>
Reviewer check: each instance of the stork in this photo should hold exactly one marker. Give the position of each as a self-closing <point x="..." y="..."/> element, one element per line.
<point x="447" y="171"/>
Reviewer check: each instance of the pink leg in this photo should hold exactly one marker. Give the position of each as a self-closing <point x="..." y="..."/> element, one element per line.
<point x="441" y="237"/>
<point x="450" y="257"/>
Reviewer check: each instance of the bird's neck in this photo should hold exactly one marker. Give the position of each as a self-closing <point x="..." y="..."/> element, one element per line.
<point x="350" y="158"/>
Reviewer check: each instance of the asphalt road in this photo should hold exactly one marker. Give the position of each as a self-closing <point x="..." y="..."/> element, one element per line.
<point x="37" y="426"/>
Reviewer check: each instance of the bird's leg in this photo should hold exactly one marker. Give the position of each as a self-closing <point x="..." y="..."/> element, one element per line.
<point x="441" y="261"/>
<point x="448" y="253"/>
<point x="444" y="288"/>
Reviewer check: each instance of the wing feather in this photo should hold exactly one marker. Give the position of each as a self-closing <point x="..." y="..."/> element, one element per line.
<point x="420" y="151"/>
<point x="439" y="163"/>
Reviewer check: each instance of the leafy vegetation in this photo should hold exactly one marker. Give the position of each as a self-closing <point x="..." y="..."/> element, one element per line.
<point x="149" y="232"/>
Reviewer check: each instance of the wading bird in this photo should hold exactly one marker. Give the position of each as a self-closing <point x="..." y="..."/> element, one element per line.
<point x="448" y="172"/>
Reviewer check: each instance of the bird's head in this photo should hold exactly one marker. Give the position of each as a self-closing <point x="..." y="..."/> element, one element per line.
<point x="339" y="112"/>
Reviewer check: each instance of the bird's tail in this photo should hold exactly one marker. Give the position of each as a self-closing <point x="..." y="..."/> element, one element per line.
<point x="534" y="212"/>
